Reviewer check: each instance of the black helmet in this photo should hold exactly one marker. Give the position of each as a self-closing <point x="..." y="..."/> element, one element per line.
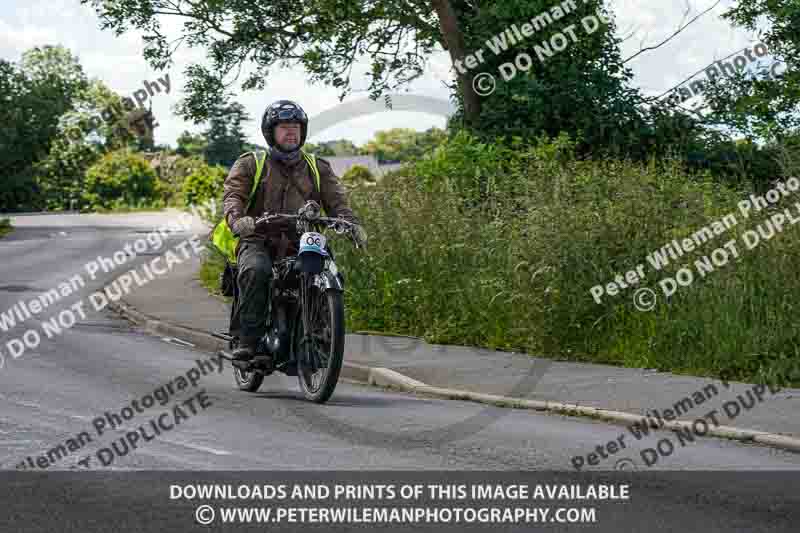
<point x="283" y="111"/>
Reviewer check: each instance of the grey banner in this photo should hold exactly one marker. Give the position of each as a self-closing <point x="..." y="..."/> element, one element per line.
<point x="399" y="501"/>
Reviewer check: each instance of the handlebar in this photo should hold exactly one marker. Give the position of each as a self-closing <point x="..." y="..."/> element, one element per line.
<point x="307" y="216"/>
<point x="339" y="225"/>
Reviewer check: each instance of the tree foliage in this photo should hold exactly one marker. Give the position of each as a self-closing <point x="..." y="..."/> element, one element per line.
<point x="60" y="176"/>
<point x="203" y="184"/>
<point x="339" y="147"/>
<point x="191" y="144"/>
<point x="357" y="175"/>
<point x="760" y="106"/>
<point x="320" y="150"/>
<point x="583" y="90"/>
<point x="403" y="144"/>
<point x="326" y="37"/>
<point x="121" y="179"/>
<point x="225" y="134"/>
<point x="37" y="92"/>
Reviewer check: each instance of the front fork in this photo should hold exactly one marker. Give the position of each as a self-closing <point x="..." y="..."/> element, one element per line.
<point x="309" y="285"/>
<point x="305" y="315"/>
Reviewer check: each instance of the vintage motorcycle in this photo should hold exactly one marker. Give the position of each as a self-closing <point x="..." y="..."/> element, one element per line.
<point x="305" y="317"/>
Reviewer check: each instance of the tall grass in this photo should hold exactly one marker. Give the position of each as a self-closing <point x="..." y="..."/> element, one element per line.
<point x="499" y="248"/>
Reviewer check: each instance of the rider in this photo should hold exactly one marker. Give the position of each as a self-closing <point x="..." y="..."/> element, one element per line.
<point x="287" y="183"/>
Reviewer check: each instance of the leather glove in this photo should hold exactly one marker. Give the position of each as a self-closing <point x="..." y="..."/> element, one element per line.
<point x="244" y="226"/>
<point x="360" y="236"/>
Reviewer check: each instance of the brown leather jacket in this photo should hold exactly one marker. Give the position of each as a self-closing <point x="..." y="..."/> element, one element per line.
<point x="285" y="188"/>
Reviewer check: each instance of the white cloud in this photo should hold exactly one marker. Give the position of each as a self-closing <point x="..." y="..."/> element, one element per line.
<point x="14" y="40"/>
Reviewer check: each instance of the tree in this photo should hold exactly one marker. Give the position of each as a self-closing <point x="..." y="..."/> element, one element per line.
<point x="583" y="88"/>
<point x="250" y="147"/>
<point x="204" y="184"/>
<point x="60" y="176"/>
<point x="326" y="37"/>
<point x="453" y="41"/>
<point x="340" y="147"/>
<point x="121" y="179"/>
<point x="191" y="144"/>
<point x="102" y="117"/>
<point x="319" y="150"/>
<point x="357" y="175"/>
<point x="225" y="135"/>
<point x="402" y="144"/>
<point x="392" y="145"/>
<point x="17" y="155"/>
<point x="762" y="107"/>
<point x="431" y="138"/>
<point x="36" y="92"/>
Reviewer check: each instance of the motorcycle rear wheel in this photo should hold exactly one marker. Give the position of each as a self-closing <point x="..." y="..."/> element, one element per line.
<point x="247" y="381"/>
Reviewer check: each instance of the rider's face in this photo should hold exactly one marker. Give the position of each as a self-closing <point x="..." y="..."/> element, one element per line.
<point x="288" y="135"/>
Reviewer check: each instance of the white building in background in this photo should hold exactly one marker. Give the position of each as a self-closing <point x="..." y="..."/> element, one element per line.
<point x="341" y="164"/>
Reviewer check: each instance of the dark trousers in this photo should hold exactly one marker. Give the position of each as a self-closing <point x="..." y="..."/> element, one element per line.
<point x="254" y="280"/>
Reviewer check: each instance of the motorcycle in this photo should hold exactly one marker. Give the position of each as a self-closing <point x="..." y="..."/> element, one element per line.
<point x="305" y="317"/>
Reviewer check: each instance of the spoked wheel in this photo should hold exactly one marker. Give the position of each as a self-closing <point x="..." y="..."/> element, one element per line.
<point x="319" y="355"/>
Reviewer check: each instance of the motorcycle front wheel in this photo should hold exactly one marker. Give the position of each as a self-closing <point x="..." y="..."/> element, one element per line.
<point x="319" y="354"/>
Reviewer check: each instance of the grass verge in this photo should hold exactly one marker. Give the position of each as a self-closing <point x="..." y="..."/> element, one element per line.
<point x="500" y="249"/>
<point x="211" y="268"/>
<point x="5" y="227"/>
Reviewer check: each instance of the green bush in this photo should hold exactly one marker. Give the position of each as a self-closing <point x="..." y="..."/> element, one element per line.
<point x="5" y="227"/>
<point x="60" y="175"/>
<point x="20" y="192"/>
<point x="205" y="184"/>
<point x="357" y="175"/>
<point x="121" y="179"/>
<point x="173" y="171"/>
<point x="514" y="269"/>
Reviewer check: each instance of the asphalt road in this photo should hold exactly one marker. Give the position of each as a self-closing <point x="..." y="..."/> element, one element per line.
<point x="53" y="393"/>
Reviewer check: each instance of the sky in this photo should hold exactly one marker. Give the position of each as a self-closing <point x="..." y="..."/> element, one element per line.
<point x="119" y="63"/>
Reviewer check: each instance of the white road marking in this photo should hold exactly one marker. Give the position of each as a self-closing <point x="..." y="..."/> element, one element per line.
<point x="190" y="445"/>
<point x="179" y="342"/>
<point x="198" y="447"/>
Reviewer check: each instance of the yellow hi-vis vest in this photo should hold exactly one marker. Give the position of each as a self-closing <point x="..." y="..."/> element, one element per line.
<point x="222" y="238"/>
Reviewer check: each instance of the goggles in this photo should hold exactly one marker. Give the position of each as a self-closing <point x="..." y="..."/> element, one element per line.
<point x="292" y="113"/>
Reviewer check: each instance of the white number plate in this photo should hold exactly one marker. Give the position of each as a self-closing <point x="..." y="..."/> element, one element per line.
<point x="313" y="242"/>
